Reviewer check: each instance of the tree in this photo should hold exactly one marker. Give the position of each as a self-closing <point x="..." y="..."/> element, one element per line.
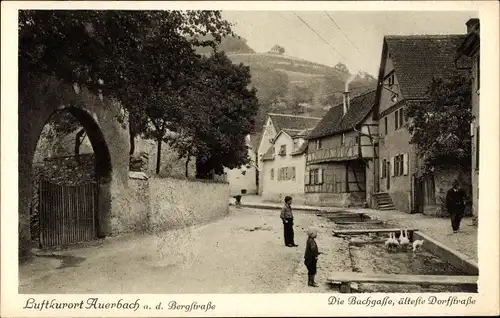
<point x="277" y="49"/>
<point x="300" y="95"/>
<point x="342" y="69"/>
<point x="440" y="127"/>
<point x="219" y="112"/>
<point x="122" y="54"/>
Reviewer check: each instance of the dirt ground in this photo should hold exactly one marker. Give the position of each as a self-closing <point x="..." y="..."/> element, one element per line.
<point x="242" y="253"/>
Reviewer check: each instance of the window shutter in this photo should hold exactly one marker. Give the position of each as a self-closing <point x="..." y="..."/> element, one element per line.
<point x="381" y="169"/>
<point x="307" y="177"/>
<point x="293" y="173"/>
<point x="392" y="166"/>
<point x="320" y="176"/>
<point x="405" y="164"/>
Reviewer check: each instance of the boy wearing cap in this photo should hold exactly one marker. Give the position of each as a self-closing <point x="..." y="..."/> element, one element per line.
<point x="311" y="256"/>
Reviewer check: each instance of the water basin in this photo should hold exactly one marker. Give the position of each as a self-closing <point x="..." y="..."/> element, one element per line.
<point x="375" y="258"/>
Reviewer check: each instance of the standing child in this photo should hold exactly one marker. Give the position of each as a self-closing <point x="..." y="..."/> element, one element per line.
<point x="311" y="256"/>
<point x="287" y="218"/>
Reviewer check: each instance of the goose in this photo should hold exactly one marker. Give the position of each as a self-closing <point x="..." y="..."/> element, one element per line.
<point x="403" y="238"/>
<point x="391" y="241"/>
<point x="417" y="244"/>
<point x="388" y="242"/>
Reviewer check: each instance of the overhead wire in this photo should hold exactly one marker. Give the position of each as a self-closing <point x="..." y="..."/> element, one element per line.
<point x="345" y="35"/>
<point x="312" y="29"/>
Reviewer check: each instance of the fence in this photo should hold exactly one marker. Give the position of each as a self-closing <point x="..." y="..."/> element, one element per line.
<point x="67" y="213"/>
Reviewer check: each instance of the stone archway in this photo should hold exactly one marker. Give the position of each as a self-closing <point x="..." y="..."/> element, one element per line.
<point x="109" y="138"/>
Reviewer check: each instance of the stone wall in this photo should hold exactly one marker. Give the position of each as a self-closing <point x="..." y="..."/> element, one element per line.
<point x="160" y="204"/>
<point x="298" y="198"/>
<point x="443" y="180"/>
<point x="136" y="218"/>
<point x="67" y="170"/>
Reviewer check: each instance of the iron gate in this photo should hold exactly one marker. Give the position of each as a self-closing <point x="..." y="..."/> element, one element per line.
<point x="67" y="213"/>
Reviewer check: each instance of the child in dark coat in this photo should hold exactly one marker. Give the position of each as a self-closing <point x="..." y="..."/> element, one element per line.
<point x="311" y="256"/>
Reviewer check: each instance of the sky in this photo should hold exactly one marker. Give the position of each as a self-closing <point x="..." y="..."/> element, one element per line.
<point x="354" y="38"/>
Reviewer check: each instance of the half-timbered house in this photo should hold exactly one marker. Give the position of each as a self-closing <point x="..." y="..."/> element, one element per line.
<point x="340" y="154"/>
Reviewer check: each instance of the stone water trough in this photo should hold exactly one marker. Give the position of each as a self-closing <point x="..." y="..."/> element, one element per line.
<point x="432" y="268"/>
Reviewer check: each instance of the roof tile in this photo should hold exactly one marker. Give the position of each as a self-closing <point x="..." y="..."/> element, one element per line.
<point x="417" y="59"/>
<point x="284" y="122"/>
<point x="334" y="122"/>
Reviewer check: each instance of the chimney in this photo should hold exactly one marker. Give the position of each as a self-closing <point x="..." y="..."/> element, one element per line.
<point x="472" y="24"/>
<point x="346" y="98"/>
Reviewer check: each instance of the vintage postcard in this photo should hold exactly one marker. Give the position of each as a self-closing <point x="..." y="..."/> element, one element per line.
<point x="250" y="158"/>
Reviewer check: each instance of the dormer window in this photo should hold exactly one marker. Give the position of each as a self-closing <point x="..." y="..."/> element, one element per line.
<point x="282" y="150"/>
<point x="318" y="144"/>
<point x="390" y="80"/>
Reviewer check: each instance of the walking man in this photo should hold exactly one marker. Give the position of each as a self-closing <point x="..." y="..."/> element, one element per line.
<point x="287" y="218"/>
<point x="455" y="203"/>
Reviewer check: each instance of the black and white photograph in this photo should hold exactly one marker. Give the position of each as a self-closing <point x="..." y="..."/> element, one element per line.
<point x="203" y="150"/>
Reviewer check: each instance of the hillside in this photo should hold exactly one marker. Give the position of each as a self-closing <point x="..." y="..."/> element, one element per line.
<point x="292" y="85"/>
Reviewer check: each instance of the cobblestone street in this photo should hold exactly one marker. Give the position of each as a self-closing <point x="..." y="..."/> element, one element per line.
<point x="242" y="253"/>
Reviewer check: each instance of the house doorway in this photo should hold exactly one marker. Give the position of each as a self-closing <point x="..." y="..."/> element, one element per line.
<point x="388" y="179"/>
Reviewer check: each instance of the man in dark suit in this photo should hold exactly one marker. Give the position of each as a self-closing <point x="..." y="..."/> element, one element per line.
<point x="455" y="203"/>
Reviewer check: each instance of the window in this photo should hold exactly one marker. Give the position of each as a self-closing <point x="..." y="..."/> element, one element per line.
<point x="390" y="80"/>
<point x="342" y="140"/>
<point x="383" y="169"/>
<point x="315" y="176"/>
<point x="400" y="166"/>
<point x="272" y="174"/>
<point x="385" y="124"/>
<point x="286" y="173"/>
<point x="282" y="150"/>
<point x="356" y="140"/>
<point x="398" y="119"/>
<point x="318" y="144"/>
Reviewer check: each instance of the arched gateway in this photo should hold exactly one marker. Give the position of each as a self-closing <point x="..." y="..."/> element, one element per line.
<point x="109" y="139"/>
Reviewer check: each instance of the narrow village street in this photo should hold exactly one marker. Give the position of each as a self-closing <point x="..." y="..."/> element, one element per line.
<point x="171" y="151"/>
<point x="242" y="253"/>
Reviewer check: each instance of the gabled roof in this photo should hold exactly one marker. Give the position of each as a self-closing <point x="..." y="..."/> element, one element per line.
<point x="293" y="122"/>
<point x="419" y="58"/>
<point x="335" y="122"/>
<point x="269" y="155"/>
<point x="255" y="140"/>
<point x="302" y="149"/>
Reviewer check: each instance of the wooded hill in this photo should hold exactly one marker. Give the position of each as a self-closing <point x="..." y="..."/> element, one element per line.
<point x="287" y="84"/>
